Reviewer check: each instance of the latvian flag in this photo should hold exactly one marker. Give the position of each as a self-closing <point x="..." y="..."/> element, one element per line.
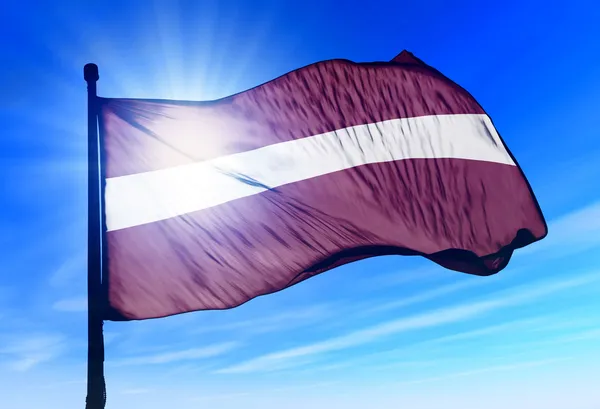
<point x="210" y="204"/>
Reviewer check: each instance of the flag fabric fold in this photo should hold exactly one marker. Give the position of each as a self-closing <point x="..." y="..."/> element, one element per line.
<point x="210" y="204"/>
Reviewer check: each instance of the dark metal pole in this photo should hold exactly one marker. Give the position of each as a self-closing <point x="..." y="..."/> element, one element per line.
<point x="96" y="396"/>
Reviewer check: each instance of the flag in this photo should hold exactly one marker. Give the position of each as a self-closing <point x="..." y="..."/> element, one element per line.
<point x="210" y="204"/>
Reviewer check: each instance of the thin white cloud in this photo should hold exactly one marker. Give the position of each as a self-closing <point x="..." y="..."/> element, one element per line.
<point x="178" y="356"/>
<point x="465" y="283"/>
<point x="399" y="353"/>
<point x="109" y="337"/>
<point x="429" y="295"/>
<point x="332" y="367"/>
<point x="276" y="322"/>
<point x="54" y="385"/>
<point x="580" y="336"/>
<point x="516" y="296"/>
<point x="495" y="368"/>
<point x="404" y="364"/>
<point x="492" y="329"/>
<point x="73" y="269"/>
<point x="74" y="304"/>
<point x="567" y="321"/>
<point x="220" y="397"/>
<point x="28" y="351"/>
<point x="584" y="335"/>
<point x="407" y="276"/>
<point x="283" y="389"/>
<point x="572" y="233"/>
<point x="138" y="391"/>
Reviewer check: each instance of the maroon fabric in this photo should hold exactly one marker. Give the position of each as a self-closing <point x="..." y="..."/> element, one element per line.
<point x="144" y="135"/>
<point x="459" y="213"/>
<point x="465" y="215"/>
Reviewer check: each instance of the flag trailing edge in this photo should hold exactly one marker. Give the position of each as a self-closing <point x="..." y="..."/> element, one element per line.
<point x="210" y="204"/>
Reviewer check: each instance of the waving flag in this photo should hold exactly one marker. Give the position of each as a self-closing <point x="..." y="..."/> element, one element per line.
<point x="209" y="204"/>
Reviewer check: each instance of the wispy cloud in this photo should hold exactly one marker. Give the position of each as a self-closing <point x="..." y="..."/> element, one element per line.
<point x="429" y="295"/>
<point x="584" y="335"/>
<point x="72" y="269"/>
<point x="366" y="361"/>
<point x="178" y="356"/>
<point x="28" y="351"/>
<point x="137" y="391"/>
<point x="567" y="321"/>
<point x="283" y="389"/>
<point x="516" y="296"/>
<point x="495" y="368"/>
<point x="73" y="304"/>
<point x="109" y="337"/>
<point x="54" y="385"/>
<point x="489" y="330"/>
<point x="407" y="276"/>
<point x="276" y="322"/>
<point x="221" y="396"/>
<point x="572" y="233"/>
<point x="580" y="336"/>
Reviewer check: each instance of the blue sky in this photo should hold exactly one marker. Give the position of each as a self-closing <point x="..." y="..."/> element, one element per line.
<point x="382" y="333"/>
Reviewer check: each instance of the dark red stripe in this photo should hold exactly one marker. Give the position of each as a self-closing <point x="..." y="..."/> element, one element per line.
<point x="457" y="211"/>
<point x="320" y="98"/>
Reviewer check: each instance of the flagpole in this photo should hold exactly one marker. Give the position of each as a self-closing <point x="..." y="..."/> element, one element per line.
<point x="96" y="396"/>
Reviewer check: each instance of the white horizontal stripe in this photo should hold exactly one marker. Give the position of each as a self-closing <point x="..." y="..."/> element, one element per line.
<point x="151" y="196"/>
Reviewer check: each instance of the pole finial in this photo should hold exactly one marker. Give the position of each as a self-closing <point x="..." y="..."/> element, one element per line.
<point x="90" y="73"/>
